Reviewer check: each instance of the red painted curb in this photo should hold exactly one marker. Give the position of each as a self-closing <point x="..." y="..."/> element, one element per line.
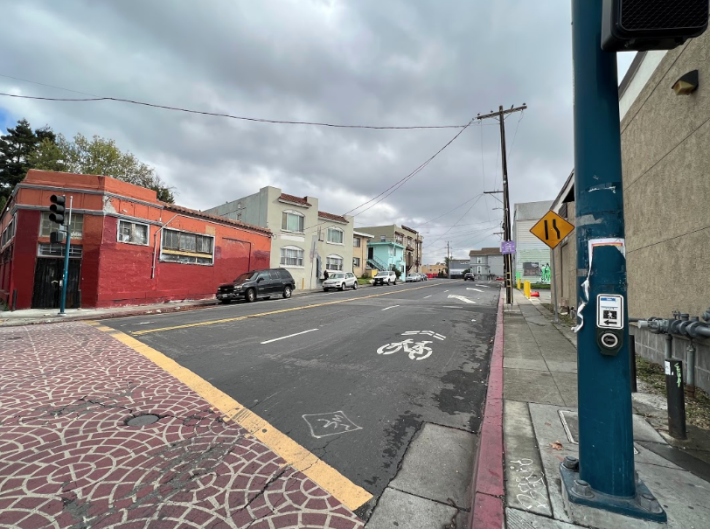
<point x="488" y="489"/>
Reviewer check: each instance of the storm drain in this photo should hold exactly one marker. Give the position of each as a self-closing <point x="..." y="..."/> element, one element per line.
<point x="143" y="420"/>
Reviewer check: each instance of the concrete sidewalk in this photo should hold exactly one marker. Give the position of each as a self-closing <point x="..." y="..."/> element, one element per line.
<point x="38" y="316"/>
<point x="98" y="430"/>
<point x="540" y="428"/>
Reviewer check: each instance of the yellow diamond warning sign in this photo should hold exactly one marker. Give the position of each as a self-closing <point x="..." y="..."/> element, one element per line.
<point x="551" y="229"/>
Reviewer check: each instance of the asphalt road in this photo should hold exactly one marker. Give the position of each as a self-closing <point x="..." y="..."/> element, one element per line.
<point x="310" y="365"/>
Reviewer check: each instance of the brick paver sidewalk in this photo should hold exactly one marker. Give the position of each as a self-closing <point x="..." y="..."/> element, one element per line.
<point x="68" y="458"/>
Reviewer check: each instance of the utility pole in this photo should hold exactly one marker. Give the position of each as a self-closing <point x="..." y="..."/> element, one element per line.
<point x="507" y="258"/>
<point x="448" y="260"/>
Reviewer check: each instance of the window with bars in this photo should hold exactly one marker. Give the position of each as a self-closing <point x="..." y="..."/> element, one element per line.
<point x="291" y="256"/>
<point x="187" y="248"/>
<point x="356" y="262"/>
<point x="47" y="226"/>
<point x="334" y="262"/>
<point x="57" y="250"/>
<point x="335" y="235"/>
<point x="291" y="221"/>
<point x="132" y="232"/>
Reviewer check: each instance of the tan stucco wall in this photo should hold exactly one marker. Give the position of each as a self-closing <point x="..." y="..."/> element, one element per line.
<point x="565" y="256"/>
<point x="360" y="252"/>
<point x="666" y="181"/>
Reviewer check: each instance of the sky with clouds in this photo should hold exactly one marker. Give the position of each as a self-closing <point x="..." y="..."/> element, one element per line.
<point x="363" y="62"/>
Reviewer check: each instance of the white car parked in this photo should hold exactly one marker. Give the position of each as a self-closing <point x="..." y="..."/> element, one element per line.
<point x="340" y="280"/>
<point x="386" y="277"/>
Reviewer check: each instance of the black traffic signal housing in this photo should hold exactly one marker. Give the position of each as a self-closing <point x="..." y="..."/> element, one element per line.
<point x="57" y="208"/>
<point x="643" y="25"/>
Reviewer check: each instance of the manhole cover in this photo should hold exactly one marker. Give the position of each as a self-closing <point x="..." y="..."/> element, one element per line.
<point x="143" y="420"/>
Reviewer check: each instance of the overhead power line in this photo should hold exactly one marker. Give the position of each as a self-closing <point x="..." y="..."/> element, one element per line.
<point x="394" y="187"/>
<point x="230" y="116"/>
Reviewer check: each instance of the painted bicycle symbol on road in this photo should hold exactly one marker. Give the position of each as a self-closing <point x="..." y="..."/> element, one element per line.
<point x="415" y="350"/>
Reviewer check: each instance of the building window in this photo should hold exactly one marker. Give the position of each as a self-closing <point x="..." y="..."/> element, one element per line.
<point x="382" y="238"/>
<point x="292" y="221"/>
<point x="399" y="238"/>
<point x="77" y="225"/>
<point x="291" y="256"/>
<point x="57" y="250"/>
<point x="187" y="248"/>
<point x="132" y="232"/>
<point x="9" y="232"/>
<point x="479" y="260"/>
<point x="334" y="262"/>
<point x="356" y="242"/>
<point x="335" y="235"/>
<point x="356" y="262"/>
<point x="479" y="270"/>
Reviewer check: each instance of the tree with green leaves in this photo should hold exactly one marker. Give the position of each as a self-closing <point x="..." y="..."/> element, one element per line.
<point x="98" y="156"/>
<point x="17" y="148"/>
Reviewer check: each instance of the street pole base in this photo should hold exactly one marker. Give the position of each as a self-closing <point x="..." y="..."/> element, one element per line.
<point x="643" y="505"/>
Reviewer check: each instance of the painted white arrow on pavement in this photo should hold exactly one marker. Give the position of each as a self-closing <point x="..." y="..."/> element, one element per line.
<point x="462" y="298"/>
<point x="476" y="289"/>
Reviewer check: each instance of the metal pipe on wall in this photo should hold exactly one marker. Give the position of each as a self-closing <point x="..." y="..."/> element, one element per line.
<point x="155" y="244"/>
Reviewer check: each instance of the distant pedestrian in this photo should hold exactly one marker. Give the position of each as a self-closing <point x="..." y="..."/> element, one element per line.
<point x="325" y="275"/>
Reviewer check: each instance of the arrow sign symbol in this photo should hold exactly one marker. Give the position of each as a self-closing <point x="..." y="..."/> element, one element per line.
<point x="608" y="322"/>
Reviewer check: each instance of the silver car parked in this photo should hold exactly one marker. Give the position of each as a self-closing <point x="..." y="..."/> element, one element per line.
<point x="340" y="280"/>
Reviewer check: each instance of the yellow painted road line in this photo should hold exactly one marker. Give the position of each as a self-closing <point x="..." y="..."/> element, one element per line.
<point x="344" y="490"/>
<point x="292" y="309"/>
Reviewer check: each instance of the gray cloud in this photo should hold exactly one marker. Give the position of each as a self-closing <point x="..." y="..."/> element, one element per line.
<point x="366" y="62"/>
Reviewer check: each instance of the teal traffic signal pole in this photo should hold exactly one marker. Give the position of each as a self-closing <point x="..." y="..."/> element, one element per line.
<point x="604" y="475"/>
<point x="63" y="300"/>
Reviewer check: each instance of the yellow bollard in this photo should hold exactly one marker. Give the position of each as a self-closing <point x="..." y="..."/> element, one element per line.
<point x="527" y="289"/>
<point x="518" y="283"/>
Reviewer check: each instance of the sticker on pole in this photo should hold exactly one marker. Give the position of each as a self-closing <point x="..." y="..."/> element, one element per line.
<point x="610" y="311"/>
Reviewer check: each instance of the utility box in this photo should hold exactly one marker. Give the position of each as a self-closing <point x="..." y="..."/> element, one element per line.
<point x="642" y="25"/>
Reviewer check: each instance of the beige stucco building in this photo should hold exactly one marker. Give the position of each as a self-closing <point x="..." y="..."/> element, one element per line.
<point x="665" y="143"/>
<point x="407" y="237"/>
<point x="306" y="241"/>
<point x="360" y="252"/>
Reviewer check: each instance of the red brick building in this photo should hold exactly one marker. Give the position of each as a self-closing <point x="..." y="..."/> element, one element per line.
<point x="127" y="247"/>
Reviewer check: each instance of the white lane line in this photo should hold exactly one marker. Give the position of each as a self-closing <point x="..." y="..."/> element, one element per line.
<point x="451" y="307"/>
<point x="445" y="290"/>
<point x="392" y="307"/>
<point x="289" y="336"/>
<point x="425" y="297"/>
<point x="484" y="286"/>
<point x="462" y="298"/>
<point x="477" y="290"/>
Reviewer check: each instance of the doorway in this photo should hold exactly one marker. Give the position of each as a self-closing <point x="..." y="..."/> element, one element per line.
<point x="47" y="291"/>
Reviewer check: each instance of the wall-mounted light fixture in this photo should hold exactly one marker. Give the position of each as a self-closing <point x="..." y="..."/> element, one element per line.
<point x="687" y="84"/>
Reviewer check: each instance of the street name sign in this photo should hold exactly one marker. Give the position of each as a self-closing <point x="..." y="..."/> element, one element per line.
<point x="507" y="247"/>
<point x="610" y="311"/>
<point x="551" y="229"/>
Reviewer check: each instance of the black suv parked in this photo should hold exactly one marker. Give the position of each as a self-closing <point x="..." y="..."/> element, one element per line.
<point x="258" y="284"/>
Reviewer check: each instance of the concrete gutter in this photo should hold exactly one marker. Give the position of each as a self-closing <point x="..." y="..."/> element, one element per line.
<point x="487" y="489"/>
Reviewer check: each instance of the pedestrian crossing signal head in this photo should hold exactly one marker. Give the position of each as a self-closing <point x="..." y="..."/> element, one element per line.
<point x="57" y="208"/>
